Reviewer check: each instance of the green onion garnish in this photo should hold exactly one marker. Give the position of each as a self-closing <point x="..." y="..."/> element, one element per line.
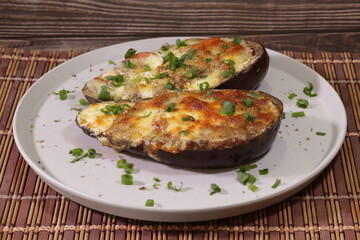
<point x="116" y="109"/>
<point x="185" y="132"/>
<point x="188" y="118"/>
<point x="170" y="108"/>
<point x="245" y="168"/>
<point x="252" y="187"/>
<point x="170" y="86"/>
<point x="130" y="52"/>
<point x="215" y="189"/>
<point x="204" y="86"/>
<point x="104" y="94"/>
<point x="120" y="163"/>
<point x="254" y="94"/>
<point x="83" y="102"/>
<point x="62" y="94"/>
<point x="208" y="60"/>
<point x="298" y="114"/>
<point x="127" y="179"/>
<point x="149" y="203"/>
<point x="79" y="154"/>
<point x="292" y="95"/>
<point x="111" y="62"/>
<point x="191" y="74"/>
<point x="129" y="64"/>
<point x="308" y="90"/>
<point x="228" y="108"/>
<point x="264" y="171"/>
<point x="147" y="68"/>
<point x="320" y="133"/>
<point x="228" y="62"/>
<point x="283" y="115"/>
<point x="302" y="103"/>
<point x="156" y="179"/>
<point x="237" y="40"/>
<point x="277" y="183"/>
<point x="180" y="43"/>
<point x="245" y="178"/>
<point x="147" y="115"/>
<point x="175" y="188"/>
<point x="248" y="117"/>
<point x="248" y="102"/>
<point x="208" y="93"/>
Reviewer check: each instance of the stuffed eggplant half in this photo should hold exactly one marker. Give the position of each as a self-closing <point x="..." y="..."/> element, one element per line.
<point x="189" y="65"/>
<point x="207" y="129"/>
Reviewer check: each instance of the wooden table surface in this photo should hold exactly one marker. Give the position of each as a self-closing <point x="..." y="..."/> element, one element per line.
<point x="307" y="25"/>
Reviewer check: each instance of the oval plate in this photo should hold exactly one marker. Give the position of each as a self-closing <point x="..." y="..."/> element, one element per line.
<point x="297" y="156"/>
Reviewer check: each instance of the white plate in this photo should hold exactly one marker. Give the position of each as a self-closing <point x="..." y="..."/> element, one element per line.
<point x="45" y="131"/>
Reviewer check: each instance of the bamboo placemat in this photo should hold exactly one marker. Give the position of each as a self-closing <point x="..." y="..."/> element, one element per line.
<point x="328" y="208"/>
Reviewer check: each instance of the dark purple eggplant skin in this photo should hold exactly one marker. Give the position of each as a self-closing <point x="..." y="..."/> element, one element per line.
<point x="243" y="152"/>
<point x="250" y="77"/>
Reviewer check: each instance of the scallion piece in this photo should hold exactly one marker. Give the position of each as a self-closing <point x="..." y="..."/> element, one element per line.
<point x="185" y="132"/>
<point x="264" y="171"/>
<point x="188" y="118"/>
<point x="298" y="114"/>
<point x="170" y="107"/>
<point x="149" y="203"/>
<point x="237" y="40"/>
<point x="292" y="95"/>
<point x="277" y="183"/>
<point x="127" y="179"/>
<point x="248" y="102"/>
<point x="204" y="86"/>
<point x="302" y="103"/>
<point x="248" y="117"/>
<point x="130" y="52"/>
<point x="129" y="64"/>
<point x="308" y="90"/>
<point x="320" y="133"/>
<point x="180" y="43"/>
<point x="83" y="102"/>
<point x="111" y="62"/>
<point x="62" y="94"/>
<point x="228" y="108"/>
<point x="104" y="94"/>
<point x="174" y="188"/>
<point x="252" y="187"/>
<point x="120" y="163"/>
<point x="215" y="189"/>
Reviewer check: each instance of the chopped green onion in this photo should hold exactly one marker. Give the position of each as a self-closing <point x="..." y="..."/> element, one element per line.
<point x="149" y="203"/>
<point x="76" y="109"/>
<point x="137" y="79"/>
<point x="147" y="115"/>
<point x="224" y="47"/>
<point x="147" y="68"/>
<point x="308" y="90"/>
<point x="228" y="108"/>
<point x="292" y="95"/>
<point x="165" y="47"/>
<point x="254" y="94"/>
<point x="170" y="108"/>
<point x="180" y="43"/>
<point x="204" y="86"/>
<point x="129" y="64"/>
<point x="156" y="179"/>
<point x="191" y="74"/>
<point x="237" y="40"/>
<point x="249" y="118"/>
<point x="298" y="114"/>
<point x="283" y="115"/>
<point x="208" y="59"/>
<point x="175" y="188"/>
<point x="76" y="152"/>
<point x="228" y="62"/>
<point x="215" y="189"/>
<point x="277" y="183"/>
<point x="127" y="179"/>
<point x="188" y="118"/>
<point x="129" y="170"/>
<point x="252" y="187"/>
<point x="120" y="163"/>
<point x="185" y="132"/>
<point x="130" y="52"/>
<point x="264" y="171"/>
<point x="111" y="62"/>
<point x="320" y="133"/>
<point x="116" y="109"/>
<point x="170" y="86"/>
<point x="245" y="178"/>
<point x="104" y="94"/>
<point x="83" y="102"/>
<point x="190" y="54"/>
<point x="248" y="102"/>
<point x="62" y="94"/>
<point x="245" y="168"/>
<point x="302" y="103"/>
<point x="208" y="93"/>
<point x="91" y="153"/>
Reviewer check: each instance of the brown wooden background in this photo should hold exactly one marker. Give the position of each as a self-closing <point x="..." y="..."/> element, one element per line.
<point x="308" y="25"/>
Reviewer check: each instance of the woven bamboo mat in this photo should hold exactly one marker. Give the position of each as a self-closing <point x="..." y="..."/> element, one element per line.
<point x="328" y="208"/>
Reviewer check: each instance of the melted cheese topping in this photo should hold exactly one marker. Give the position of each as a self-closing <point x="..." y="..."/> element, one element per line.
<point x="148" y="74"/>
<point x="195" y="123"/>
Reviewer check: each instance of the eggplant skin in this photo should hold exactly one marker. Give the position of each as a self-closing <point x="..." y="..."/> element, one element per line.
<point x="250" y="77"/>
